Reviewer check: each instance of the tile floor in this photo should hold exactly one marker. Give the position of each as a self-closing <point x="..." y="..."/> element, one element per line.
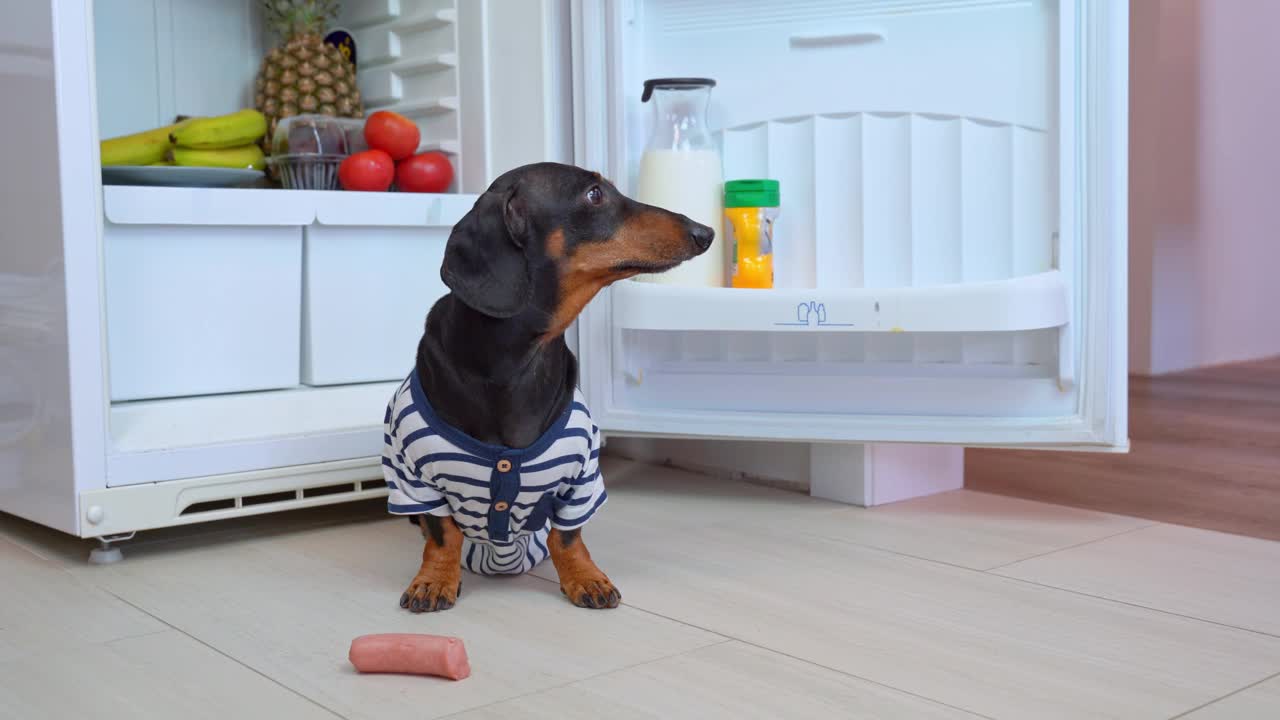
<point x="739" y="602"/>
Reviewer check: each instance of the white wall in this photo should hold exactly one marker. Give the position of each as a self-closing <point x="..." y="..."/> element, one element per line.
<point x="1204" y="197"/>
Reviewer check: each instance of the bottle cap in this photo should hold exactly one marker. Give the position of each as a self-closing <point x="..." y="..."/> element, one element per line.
<point x="674" y="84"/>
<point x="751" y="193"/>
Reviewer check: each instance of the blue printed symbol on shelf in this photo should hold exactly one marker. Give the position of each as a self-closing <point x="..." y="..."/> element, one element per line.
<point x="812" y="313"/>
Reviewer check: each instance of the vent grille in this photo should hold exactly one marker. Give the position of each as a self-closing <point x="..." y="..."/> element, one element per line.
<point x="334" y="491"/>
<point x="268" y="498"/>
<point x="326" y="490"/>
<point x="209" y="506"/>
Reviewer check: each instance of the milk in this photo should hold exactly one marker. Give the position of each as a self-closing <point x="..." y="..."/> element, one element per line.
<point x="689" y="182"/>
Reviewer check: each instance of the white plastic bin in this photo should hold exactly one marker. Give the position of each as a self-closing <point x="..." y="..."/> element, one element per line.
<point x="203" y="289"/>
<point x="371" y="273"/>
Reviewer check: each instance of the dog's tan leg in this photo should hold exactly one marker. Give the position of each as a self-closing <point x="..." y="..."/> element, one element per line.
<point x="580" y="580"/>
<point x="439" y="580"/>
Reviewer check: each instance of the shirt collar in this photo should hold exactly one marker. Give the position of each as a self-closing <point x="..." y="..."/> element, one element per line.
<point x="476" y="447"/>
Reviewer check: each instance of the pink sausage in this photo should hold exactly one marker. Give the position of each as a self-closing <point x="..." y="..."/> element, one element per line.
<point x="410" y="653"/>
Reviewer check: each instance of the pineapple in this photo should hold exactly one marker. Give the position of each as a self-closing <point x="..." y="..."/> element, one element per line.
<point x="304" y="75"/>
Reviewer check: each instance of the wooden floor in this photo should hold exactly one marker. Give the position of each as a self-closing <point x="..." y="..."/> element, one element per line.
<point x="738" y="602"/>
<point x="1206" y="453"/>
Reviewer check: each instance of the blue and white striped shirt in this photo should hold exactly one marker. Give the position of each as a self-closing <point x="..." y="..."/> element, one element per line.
<point x="501" y="498"/>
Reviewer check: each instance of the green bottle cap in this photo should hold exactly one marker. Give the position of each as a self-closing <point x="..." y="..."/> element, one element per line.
<point x="751" y="193"/>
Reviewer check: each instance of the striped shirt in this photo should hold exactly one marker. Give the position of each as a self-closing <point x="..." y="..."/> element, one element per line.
<point x="504" y="500"/>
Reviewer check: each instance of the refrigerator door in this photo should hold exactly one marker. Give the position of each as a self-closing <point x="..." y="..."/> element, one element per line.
<point x="52" y="398"/>
<point x="951" y="251"/>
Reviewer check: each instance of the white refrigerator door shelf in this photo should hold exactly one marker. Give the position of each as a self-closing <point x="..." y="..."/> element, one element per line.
<point x="1026" y="303"/>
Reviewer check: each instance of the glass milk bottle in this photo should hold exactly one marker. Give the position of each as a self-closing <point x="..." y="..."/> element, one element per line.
<point x="680" y="171"/>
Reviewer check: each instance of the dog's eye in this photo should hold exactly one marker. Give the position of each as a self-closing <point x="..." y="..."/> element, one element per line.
<point x="595" y="195"/>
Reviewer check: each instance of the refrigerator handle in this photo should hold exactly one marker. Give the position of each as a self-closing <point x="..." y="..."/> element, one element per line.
<point x="826" y="40"/>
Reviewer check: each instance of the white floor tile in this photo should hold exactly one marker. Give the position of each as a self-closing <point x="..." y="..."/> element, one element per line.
<point x="43" y="608"/>
<point x="164" y="675"/>
<point x="853" y="625"/>
<point x="1260" y="702"/>
<point x="729" y="680"/>
<point x="991" y="645"/>
<point x="1229" y="579"/>
<point x="970" y="529"/>
<point x="289" y="606"/>
<point x="676" y="498"/>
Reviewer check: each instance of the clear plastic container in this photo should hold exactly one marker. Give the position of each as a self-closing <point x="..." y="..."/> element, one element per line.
<point x="306" y="150"/>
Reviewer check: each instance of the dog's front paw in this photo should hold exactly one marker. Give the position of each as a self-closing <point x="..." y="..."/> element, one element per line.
<point x="428" y="593"/>
<point x="591" y="590"/>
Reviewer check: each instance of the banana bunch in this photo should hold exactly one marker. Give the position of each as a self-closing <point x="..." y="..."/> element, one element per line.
<point x="144" y="148"/>
<point x="228" y="141"/>
<point x="225" y="141"/>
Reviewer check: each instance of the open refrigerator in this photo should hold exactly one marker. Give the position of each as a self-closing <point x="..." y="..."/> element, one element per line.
<point x="950" y="259"/>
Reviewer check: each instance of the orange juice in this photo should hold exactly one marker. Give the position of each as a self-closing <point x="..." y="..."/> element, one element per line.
<point x="750" y="208"/>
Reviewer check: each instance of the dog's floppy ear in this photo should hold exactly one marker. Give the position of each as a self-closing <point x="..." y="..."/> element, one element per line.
<point x="484" y="260"/>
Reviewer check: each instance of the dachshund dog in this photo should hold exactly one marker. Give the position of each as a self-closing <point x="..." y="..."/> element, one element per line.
<point x="489" y="446"/>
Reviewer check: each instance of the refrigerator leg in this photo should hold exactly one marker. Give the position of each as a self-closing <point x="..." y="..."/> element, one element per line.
<point x="880" y="473"/>
<point x="107" y="553"/>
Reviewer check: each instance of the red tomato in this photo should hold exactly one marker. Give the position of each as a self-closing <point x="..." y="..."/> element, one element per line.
<point x="392" y="133"/>
<point x="371" y="170"/>
<point x="429" y="172"/>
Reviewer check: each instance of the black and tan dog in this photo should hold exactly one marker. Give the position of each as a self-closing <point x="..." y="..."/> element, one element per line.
<point x="491" y="416"/>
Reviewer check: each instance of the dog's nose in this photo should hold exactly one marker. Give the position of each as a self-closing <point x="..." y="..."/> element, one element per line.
<point x="701" y="235"/>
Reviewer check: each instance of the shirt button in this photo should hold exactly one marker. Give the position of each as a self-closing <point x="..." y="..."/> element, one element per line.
<point x="504" y="465"/>
<point x="501" y="505"/>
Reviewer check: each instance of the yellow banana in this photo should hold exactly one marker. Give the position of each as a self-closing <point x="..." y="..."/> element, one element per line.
<point x="141" y="148"/>
<point x="245" y="156"/>
<point x="225" y="131"/>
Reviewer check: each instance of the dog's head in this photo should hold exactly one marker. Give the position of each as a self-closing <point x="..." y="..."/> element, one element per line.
<point x="548" y="237"/>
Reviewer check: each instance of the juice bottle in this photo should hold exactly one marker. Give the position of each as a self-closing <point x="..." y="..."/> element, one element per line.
<point x="750" y="208"/>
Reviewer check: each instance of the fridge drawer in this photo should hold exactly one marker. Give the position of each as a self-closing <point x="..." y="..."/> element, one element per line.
<point x="203" y="291"/>
<point x="371" y="273"/>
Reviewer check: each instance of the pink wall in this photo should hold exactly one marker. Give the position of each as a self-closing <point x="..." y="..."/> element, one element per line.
<point x="1205" y="182"/>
